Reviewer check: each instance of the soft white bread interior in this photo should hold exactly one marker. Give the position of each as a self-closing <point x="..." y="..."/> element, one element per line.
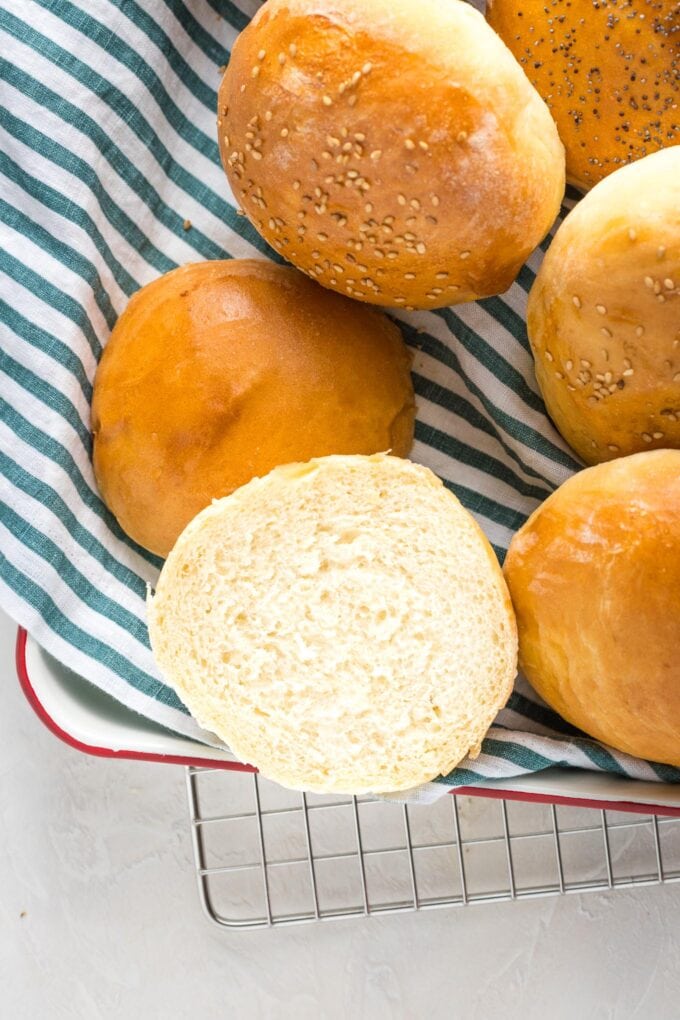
<point x="342" y="624"/>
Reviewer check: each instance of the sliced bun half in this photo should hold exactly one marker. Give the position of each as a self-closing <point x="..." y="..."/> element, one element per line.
<point x="342" y="624"/>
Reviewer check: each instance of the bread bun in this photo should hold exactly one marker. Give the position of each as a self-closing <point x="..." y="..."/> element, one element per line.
<point x="342" y="624"/>
<point x="609" y="72"/>
<point x="393" y="150"/>
<point x="218" y="371"/>
<point x="594" y="576"/>
<point x="604" y="314"/>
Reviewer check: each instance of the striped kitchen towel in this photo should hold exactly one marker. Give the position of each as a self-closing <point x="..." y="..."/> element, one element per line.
<point x="109" y="176"/>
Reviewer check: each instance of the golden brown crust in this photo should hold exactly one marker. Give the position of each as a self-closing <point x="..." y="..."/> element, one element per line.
<point x="604" y="314"/>
<point x="219" y="371"/>
<point x="392" y="150"/>
<point x="594" y="577"/>
<point x="608" y="69"/>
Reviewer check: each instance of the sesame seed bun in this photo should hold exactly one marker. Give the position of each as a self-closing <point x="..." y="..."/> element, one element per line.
<point x="594" y="577"/>
<point x="219" y="371"/>
<point x="342" y="624"/>
<point x="393" y="150"/>
<point x="608" y="69"/>
<point x="604" y="314"/>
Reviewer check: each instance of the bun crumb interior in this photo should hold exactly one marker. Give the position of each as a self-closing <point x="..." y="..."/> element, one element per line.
<point x="342" y="624"/>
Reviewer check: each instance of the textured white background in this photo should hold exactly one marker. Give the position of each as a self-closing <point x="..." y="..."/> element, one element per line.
<point x="98" y="854"/>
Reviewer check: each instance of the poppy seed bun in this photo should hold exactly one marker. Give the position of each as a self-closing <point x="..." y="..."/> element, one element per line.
<point x="608" y="70"/>
<point x="218" y="371"/>
<point x="394" y="150"/>
<point x="594" y="576"/>
<point x="343" y="625"/>
<point x="604" y="314"/>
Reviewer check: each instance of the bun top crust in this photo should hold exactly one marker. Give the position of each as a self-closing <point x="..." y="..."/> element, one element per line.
<point x="603" y="315"/>
<point x="392" y="150"/>
<point x="219" y="371"/>
<point x="609" y="71"/>
<point x="594" y="577"/>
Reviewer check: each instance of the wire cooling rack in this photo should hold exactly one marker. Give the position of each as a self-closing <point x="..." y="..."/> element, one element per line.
<point x="267" y="856"/>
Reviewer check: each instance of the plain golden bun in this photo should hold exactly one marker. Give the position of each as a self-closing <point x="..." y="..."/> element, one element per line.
<point x="219" y="371"/>
<point x="594" y="577"/>
<point x="392" y="149"/>
<point x="609" y="71"/>
<point x="604" y="314"/>
<point x="343" y="625"/>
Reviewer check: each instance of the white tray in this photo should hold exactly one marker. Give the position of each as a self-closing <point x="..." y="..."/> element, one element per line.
<point x="95" y="723"/>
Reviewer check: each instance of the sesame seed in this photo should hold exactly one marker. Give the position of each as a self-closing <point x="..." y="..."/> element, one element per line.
<point x="577" y="301"/>
<point x="548" y="356"/>
<point x="660" y="252"/>
<point x="292" y="49"/>
<point x="360" y="137"/>
<point x="639" y="330"/>
<point x="559" y="375"/>
<point x="657" y="435"/>
<point x="601" y="309"/>
<point x="676" y="377"/>
<point x="606" y="332"/>
<point x="262" y="54"/>
<point x="586" y="364"/>
<point x="352" y="100"/>
<point x="327" y="101"/>
<point x="569" y="365"/>
<point x="400" y="300"/>
<point x="242" y="89"/>
<point x="409" y="143"/>
<point x="461" y="136"/>
<point x="632" y="233"/>
<point x="646" y="436"/>
<point x="268" y="115"/>
<point x="465" y="254"/>
<point x="657" y="287"/>
<point x="255" y="71"/>
<point x="186" y="225"/>
<point x="415" y="204"/>
<point x="668" y="283"/>
<point x="401" y="199"/>
<point x="285" y="133"/>
<point x="409" y="276"/>
<point x="649" y="282"/>
<point x="367" y="68"/>
<point x="421" y="248"/>
<point x="256" y="155"/>
<point x="435" y="200"/>
<point x="613" y="448"/>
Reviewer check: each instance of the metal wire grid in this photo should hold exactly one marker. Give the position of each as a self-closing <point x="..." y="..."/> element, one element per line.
<point x="267" y="856"/>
